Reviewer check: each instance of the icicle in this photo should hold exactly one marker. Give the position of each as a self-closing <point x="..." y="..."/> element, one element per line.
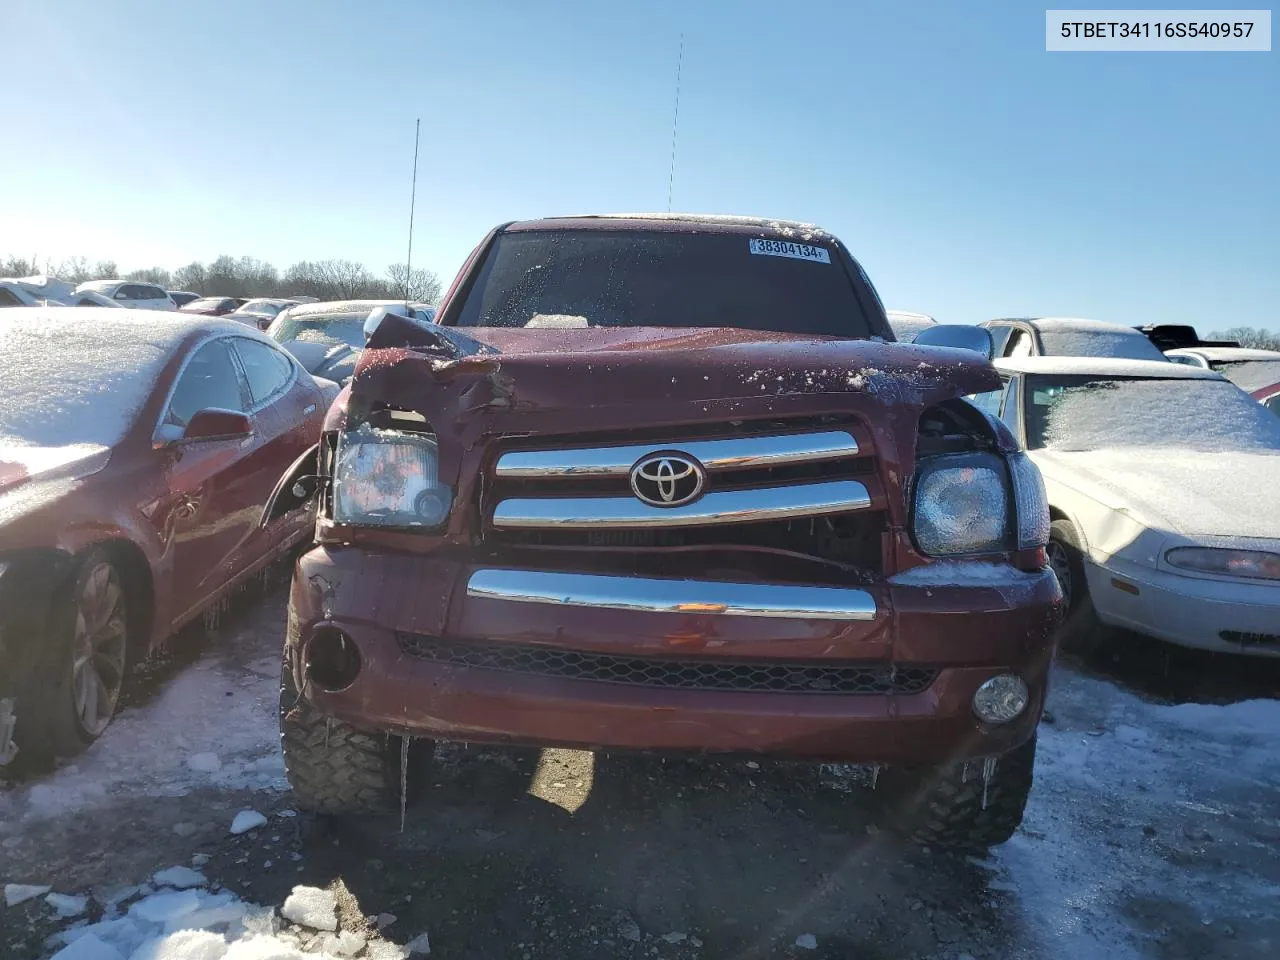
<point x="404" y="776"/>
<point x="964" y="772"/>
<point x="875" y="775"/>
<point x="988" y="768"/>
<point x="328" y="728"/>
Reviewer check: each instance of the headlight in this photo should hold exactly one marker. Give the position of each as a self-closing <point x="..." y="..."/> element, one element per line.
<point x="1030" y="502"/>
<point x="1251" y="564"/>
<point x="387" y="478"/>
<point x="962" y="505"/>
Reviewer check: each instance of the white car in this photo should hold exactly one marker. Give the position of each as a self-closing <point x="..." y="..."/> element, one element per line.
<point x="1068" y="337"/>
<point x="130" y="293"/>
<point x="1248" y="369"/>
<point x="327" y="337"/>
<point x="1163" y="483"/>
<point x="44" y="291"/>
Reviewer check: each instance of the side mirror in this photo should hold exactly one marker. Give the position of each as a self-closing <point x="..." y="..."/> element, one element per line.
<point x="215" y="424"/>
<point x="958" y="335"/>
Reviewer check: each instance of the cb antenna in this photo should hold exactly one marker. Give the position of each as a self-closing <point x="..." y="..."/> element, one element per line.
<point x="413" y="196"/>
<point x="675" y="123"/>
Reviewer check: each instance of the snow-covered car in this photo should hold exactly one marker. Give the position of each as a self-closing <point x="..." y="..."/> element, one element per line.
<point x="1165" y="506"/>
<point x="906" y="326"/>
<point x="260" y="311"/>
<point x="46" y="291"/>
<point x="130" y="293"/>
<point x="136" y="455"/>
<point x="1250" y="370"/>
<point x="327" y="337"/>
<point x="1068" y="337"/>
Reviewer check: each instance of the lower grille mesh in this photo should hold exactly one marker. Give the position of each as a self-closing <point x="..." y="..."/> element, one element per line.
<point x="759" y="676"/>
<point x="1249" y="639"/>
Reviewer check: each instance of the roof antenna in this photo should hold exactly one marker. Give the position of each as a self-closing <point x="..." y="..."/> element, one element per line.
<point x="675" y="123"/>
<point x="413" y="196"/>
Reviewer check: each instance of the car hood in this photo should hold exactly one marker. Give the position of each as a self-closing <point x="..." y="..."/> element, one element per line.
<point x="1220" y="493"/>
<point x="548" y="369"/>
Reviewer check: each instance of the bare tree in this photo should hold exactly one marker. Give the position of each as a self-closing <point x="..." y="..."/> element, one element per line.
<point x="72" y="270"/>
<point x="1254" y="337"/>
<point x="18" y="267"/>
<point x="419" y="285"/>
<point x="157" y="275"/>
<point x="192" y="277"/>
<point x="106" y="270"/>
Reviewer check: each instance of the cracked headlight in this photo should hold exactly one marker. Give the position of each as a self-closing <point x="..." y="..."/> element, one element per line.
<point x="1250" y="564"/>
<point x="962" y="505"/>
<point x="389" y="478"/>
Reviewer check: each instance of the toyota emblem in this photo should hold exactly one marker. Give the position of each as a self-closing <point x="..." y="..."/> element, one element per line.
<point x="667" y="479"/>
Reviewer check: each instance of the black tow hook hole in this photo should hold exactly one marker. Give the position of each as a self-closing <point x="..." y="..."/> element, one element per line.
<point x="333" y="660"/>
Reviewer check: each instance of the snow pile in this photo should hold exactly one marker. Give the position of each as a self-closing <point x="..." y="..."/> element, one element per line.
<point x="16" y="893"/>
<point x="1092" y="338"/>
<point x="312" y="907"/>
<point x="196" y="924"/>
<point x="85" y="372"/>
<point x="1210" y="416"/>
<point x="245" y="821"/>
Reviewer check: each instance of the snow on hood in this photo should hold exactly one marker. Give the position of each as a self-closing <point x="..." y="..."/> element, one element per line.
<point x="19" y="464"/>
<point x="84" y="373"/>
<point x="1220" y="493"/>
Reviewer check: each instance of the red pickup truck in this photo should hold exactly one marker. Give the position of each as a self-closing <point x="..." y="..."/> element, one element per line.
<point x="666" y="483"/>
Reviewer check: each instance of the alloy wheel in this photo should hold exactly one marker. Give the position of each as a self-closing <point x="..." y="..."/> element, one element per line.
<point x="99" y="647"/>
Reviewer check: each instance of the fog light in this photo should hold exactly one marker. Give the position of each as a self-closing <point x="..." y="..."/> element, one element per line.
<point x="1000" y="699"/>
<point x="332" y="659"/>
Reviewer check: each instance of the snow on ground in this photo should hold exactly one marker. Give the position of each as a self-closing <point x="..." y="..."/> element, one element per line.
<point x="148" y="750"/>
<point x="201" y="924"/>
<point x="1127" y="794"/>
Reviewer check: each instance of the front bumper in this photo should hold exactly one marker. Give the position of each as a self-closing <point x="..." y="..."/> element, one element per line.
<point x="1189" y="611"/>
<point x="390" y="604"/>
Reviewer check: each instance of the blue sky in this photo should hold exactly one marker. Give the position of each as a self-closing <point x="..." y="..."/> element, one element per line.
<point x="974" y="174"/>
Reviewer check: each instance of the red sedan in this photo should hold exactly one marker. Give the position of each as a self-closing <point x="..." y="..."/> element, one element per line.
<point x="213" y="306"/>
<point x="137" y="450"/>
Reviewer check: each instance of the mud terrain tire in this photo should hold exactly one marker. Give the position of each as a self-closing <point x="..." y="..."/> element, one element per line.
<point x="942" y="807"/>
<point x="332" y="767"/>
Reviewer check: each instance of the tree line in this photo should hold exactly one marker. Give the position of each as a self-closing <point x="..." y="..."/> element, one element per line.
<point x="1253" y="337"/>
<point x="250" y="277"/>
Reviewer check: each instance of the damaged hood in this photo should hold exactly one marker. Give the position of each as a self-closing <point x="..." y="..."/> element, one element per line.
<point x="657" y="369"/>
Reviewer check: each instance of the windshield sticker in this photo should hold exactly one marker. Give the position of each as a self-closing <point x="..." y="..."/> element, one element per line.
<point x="785" y="248"/>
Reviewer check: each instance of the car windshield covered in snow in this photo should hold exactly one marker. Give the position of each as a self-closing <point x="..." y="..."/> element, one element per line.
<point x="650" y="278"/>
<point x="320" y="328"/>
<point x="1093" y="413"/>
<point x="81" y="379"/>
<point x="1084" y="338"/>
<point x="1249" y="374"/>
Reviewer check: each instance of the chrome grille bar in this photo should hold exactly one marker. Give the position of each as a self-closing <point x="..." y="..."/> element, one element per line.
<point x="655" y="595"/>
<point x="725" y="506"/>
<point x="729" y="454"/>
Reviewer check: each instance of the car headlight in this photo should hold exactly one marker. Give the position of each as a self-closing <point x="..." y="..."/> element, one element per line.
<point x="1031" y="503"/>
<point x="962" y="505"/>
<point x="1250" y="564"/>
<point x="389" y="478"/>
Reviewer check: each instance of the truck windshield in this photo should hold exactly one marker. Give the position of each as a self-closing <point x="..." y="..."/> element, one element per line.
<point x="649" y="278"/>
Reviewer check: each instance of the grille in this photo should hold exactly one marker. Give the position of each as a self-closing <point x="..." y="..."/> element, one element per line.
<point x="1249" y="639"/>
<point x="758" y="676"/>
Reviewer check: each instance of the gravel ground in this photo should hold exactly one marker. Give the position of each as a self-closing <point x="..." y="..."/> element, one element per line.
<point x="1151" y="830"/>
